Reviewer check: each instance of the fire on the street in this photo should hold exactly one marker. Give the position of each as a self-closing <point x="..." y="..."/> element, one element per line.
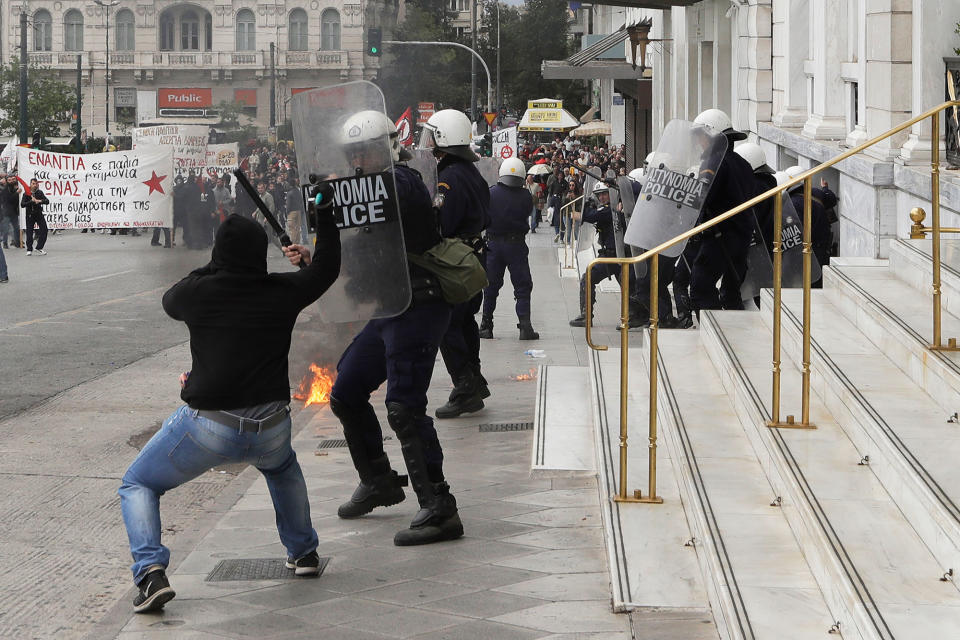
<point x="526" y="376"/>
<point x="315" y="387"/>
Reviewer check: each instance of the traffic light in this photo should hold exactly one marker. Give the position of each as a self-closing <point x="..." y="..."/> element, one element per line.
<point x="36" y="139"/>
<point x="374" y="42"/>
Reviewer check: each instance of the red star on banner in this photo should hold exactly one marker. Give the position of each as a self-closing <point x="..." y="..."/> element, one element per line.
<point x="154" y="183"/>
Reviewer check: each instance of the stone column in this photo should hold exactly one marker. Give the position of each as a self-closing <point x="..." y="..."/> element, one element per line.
<point x="932" y="39"/>
<point x="827" y="50"/>
<point x="791" y="24"/>
<point x="886" y="87"/>
<point x="857" y="55"/>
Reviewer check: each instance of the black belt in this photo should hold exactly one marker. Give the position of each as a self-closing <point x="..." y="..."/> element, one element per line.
<point x="245" y="424"/>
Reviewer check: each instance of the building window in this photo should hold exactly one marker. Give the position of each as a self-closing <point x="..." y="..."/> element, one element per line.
<point x="189" y="31"/>
<point x="125" y="31"/>
<point x="73" y="31"/>
<point x="459" y="5"/>
<point x="42" y="31"/>
<point x="330" y="30"/>
<point x="208" y="33"/>
<point x="298" y="30"/>
<point x="246" y="31"/>
<point x="167" y="29"/>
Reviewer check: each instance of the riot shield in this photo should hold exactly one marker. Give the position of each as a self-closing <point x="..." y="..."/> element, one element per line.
<point x="760" y="257"/>
<point x="340" y="144"/>
<point x="426" y="165"/>
<point x="678" y="180"/>
<point x="617" y="218"/>
<point x="489" y="168"/>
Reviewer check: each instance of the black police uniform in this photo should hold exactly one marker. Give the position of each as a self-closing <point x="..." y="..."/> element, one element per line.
<point x="665" y="272"/>
<point x="723" y="249"/>
<point x="822" y="199"/>
<point x="507" y="249"/>
<point x="401" y="351"/>
<point x="464" y="203"/>
<point x="602" y="218"/>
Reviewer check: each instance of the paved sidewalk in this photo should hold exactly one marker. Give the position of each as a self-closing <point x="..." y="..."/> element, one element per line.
<point x="531" y="564"/>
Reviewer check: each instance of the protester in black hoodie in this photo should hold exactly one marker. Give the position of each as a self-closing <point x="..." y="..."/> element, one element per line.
<point x="240" y="320"/>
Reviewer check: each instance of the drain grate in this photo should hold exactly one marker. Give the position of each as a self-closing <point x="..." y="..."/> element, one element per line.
<point x="340" y="442"/>
<point x="255" y="569"/>
<point x="506" y="426"/>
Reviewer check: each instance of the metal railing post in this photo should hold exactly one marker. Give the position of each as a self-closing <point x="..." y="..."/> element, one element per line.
<point x="777" y="301"/>
<point x="652" y="496"/>
<point x="935" y="239"/>
<point x="807" y="298"/>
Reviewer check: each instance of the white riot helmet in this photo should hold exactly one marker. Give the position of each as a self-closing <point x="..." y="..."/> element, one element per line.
<point x="512" y="172"/>
<point x="649" y="158"/>
<point x="636" y="174"/>
<point x="781" y="177"/>
<point x="450" y="131"/>
<point x="793" y="172"/>
<point x="754" y="155"/>
<point x="366" y="136"/>
<point x="599" y="188"/>
<point x="719" y="122"/>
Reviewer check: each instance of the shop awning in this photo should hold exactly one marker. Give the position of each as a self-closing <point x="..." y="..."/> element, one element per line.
<point x="601" y="59"/>
<point x="592" y="128"/>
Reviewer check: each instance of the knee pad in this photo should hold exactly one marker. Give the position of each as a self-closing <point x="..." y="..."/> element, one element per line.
<point x="402" y="420"/>
<point x="339" y="409"/>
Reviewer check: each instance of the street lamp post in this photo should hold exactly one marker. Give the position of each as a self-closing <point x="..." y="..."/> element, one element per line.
<point x="499" y="97"/>
<point x="106" y="77"/>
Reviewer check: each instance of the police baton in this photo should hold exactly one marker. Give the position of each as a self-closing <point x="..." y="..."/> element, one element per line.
<point x="607" y="181"/>
<point x="277" y="229"/>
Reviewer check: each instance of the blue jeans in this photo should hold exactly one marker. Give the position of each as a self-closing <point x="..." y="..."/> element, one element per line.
<point x="186" y="446"/>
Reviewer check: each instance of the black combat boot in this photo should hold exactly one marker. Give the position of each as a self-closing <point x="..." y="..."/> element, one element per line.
<point x="580" y="320"/>
<point x="526" y="329"/>
<point x="465" y="397"/>
<point x="380" y="486"/>
<point x="486" y="327"/>
<point x="437" y="520"/>
<point x="382" y="489"/>
<point x="482" y="387"/>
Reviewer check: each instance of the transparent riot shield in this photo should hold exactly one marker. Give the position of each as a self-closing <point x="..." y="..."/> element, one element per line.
<point x="678" y="179"/>
<point x="489" y="168"/>
<point x="342" y="145"/>
<point x="628" y="200"/>
<point x="617" y="217"/>
<point x="760" y="255"/>
<point x="425" y="164"/>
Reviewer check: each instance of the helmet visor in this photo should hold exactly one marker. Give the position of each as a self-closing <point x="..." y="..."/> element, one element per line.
<point x="427" y="139"/>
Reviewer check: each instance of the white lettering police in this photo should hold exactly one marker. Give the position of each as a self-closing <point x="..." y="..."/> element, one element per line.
<point x="684" y="190"/>
<point x="360" y="201"/>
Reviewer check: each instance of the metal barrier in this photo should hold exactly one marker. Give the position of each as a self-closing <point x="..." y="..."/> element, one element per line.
<point x="807" y="179"/>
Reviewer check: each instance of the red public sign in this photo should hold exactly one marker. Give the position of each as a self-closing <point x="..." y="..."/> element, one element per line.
<point x="425" y="110"/>
<point x="184" y="98"/>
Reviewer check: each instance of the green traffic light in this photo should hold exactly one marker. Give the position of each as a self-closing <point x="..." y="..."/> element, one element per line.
<point x="373" y="49"/>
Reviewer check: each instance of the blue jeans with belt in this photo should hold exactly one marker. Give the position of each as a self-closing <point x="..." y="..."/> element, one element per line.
<point x="186" y="446"/>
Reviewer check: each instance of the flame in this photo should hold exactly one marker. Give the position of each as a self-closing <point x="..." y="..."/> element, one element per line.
<point x="526" y="376"/>
<point x="315" y="389"/>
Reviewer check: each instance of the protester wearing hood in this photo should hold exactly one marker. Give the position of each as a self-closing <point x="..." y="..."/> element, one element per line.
<point x="240" y="320"/>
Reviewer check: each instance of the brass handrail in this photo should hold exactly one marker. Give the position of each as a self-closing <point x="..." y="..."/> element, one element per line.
<point x="807" y="179"/>
<point x="568" y="238"/>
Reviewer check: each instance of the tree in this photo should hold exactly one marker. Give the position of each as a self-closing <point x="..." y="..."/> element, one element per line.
<point x="236" y="124"/>
<point x="49" y="100"/>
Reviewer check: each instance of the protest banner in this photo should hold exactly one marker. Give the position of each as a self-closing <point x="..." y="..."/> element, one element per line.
<point x="505" y="143"/>
<point x="221" y="159"/>
<point x="187" y="142"/>
<point x="122" y="189"/>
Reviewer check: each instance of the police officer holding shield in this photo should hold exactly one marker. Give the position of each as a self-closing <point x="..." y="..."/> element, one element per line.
<point x="400" y="350"/>
<point x="510" y="205"/>
<point x="463" y="202"/>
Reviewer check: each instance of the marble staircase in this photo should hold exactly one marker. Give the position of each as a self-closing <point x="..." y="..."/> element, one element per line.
<point x="851" y="529"/>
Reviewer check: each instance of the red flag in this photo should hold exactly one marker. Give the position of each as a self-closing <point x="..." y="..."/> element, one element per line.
<point x="405" y="128"/>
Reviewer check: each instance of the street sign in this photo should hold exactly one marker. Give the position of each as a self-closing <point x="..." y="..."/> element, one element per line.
<point x="425" y="110"/>
<point x="489" y="116"/>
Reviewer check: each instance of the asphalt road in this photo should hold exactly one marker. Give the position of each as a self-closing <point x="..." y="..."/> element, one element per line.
<point x="88" y="370"/>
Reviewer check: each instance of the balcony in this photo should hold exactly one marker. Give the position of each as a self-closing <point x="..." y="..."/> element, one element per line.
<point x="205" y="60"/>
<point x="313" y="60"/>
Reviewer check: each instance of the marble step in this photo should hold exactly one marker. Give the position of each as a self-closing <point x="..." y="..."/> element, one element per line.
<point x="563" y="440"/>
<point x="756" y="576"/>
<point x="912" y="262"/>
<point x="912" y="449"/>
<point x="898" y="320"/>
<point x="650" y="566"/>
<point x="877" y="576"/>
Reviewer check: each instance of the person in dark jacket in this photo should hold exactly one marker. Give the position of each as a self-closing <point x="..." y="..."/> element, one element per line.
<point x="596" y="211"/>
<point x="240" y="320"/>
<point x="464" y="199"/>
<point x="10" y="207"/>
<point x="510" y="205"/>
<point x="401" y="351"/>
<point x="33" y="202"/>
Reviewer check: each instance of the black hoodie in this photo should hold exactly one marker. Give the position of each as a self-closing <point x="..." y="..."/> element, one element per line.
<point x="240" y="317"/>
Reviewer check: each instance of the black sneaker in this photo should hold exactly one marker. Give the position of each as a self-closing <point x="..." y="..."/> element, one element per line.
<point x="579" y="321"/>
<point x="155" y="591"/>
<point x="308" y="565"/>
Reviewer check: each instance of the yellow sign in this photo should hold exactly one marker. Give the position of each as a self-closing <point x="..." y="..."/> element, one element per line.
<point x="547" y="115"/>
<point x="544" y="104"/>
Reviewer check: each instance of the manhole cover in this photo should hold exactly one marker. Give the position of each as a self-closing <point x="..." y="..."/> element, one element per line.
<point x="255" y="569"/>
<point x="506" y="426"/>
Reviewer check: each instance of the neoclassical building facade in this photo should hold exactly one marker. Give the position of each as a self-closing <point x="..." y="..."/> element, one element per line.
<point x="809" y="79"/>
<point x="175" y="59"/>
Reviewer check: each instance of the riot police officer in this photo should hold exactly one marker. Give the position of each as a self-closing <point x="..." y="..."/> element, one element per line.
<point x="463" y="201"/>
<point x="722" y="251"/>
<point x="510" y="204"/>
<point x="822" y="200"/>
<point x="400" y="350"/>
